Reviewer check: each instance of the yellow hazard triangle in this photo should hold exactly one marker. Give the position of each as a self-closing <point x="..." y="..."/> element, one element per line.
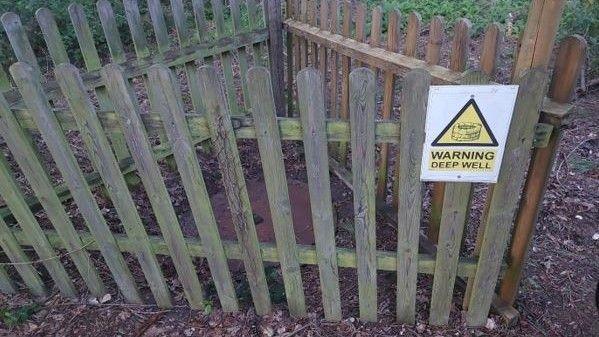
<point x="467" y="128"/>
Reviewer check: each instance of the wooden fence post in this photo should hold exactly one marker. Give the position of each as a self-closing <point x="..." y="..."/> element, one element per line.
<point x="275" y="50"/>
<point x="534" y="51"/>
<point x="568" y="64"/>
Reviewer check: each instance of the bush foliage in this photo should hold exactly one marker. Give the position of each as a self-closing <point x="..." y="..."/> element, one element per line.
<point x="580" y="17"/>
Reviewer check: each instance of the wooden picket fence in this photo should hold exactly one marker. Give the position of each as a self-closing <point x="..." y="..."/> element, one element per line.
<point x="341" y="128"/>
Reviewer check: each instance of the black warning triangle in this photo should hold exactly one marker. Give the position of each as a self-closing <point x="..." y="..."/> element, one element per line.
<point x="467" y="128"/>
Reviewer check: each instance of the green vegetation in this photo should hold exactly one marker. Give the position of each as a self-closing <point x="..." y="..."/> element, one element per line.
<point x="16" y="316"/>
<point x="580" y="17"/>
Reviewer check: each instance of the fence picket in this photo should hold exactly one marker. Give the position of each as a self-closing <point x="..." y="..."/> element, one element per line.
<point x="362" y="115"/>
<point x="360" y="33"/>
<point x="148" y="170"/>
<point x="333" y="61"/>
<point x="345" y="69"/>
<point x="311" y="20"/>
<point x="457" y="62"/>
<point x="20" y="145"/>
<point x="491" y="47"/>
<point x="413" y="102"/>
<point x="254" y="19"/>
<point x="136" y="28"/>
<point x="303" y="17"/>
<point x="170" y="105"/>
<point x="49" y="127"/>
<point x="12" y="195"/>
<point x="458" y="59"/>
<point x="388" y="97"/>
<point x="92" y="62"/>
<point x="6" y="284"/>
<point x="84" y="37"/>
<point x="111" y="31"/>
<point x="271" y="155"/>
<point x="185" y="41"/>
<point x="242" y="57"/>
<point x="223" y="139"/>
<point x="105" y="163"/>
<point x="375" y="31"/>
<point x="15" y="254"/>
<point x="311" y="106"/>
<point x="454" y="216"/>
<point x="503" y="204"/>
<point x="322" y="50"/>
<point x="435" y="40"/>
<point x="225" y="58"/>
<point x="199" y="14"/>
<point x="18" y="40"/>
<point x="5" y="83"/>
<point x="159" y="25"/>
<point x="412" y="34"/>
<point x="49" y="29"/>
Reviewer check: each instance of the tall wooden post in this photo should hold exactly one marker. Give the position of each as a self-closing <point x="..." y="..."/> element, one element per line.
<point x="535" y="51"/>
<point x="567" y="68"/>
<point x="276" y="57"/>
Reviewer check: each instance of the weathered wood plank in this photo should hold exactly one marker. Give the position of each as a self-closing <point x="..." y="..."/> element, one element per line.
<point x="6" y="284"/>
<point x="225" y="58"/>
<point x="159" y="24"/>
<point x="126" y="105"/>
<point x="19" y="41"/>
<point x="271" y="155"/>
<point x="503" y="205"/>
<point x="570" y="59"/>
<point x="311" y="106"/>
<point x="275" y="50"/>
<point x="453" y="219"/>
<point x="362" y="115"/>
<point x="24" y="153"/>
<point x="435" y="40"/>
<point x="84" y="37"/>
<point x="322" y="51"/>
<point x="233" y="180"/>
<point x="412" y="34"/>
<point x="413" y="103"/>
<point x="457" y="62"/>
<point x="199" y="14"/>
<point x="21" y="262"/>
<point x="242" y="57"/>
<point x="93" y="63"/>
<point x="105" y="163"/>
<point x="136" y="28"/>
<point x="346" y="257"/>
<point x="491" y="47"/>
<point x="382" y="59"/>
<point x="458" y="59"/>
<point x="539" y="35"/>
<point x="58" y="146"/>
<point x="54" y="42"/>
<point x="169" y="102"/>
<point x="345" y="70"/>
<point x="333" y="61"/>
<point x="12" y="195"/>
<point x="111" y="31"/>
<point x="375" y="30"/>
<point x="360" y="28"/>
<point x="388" y="98"/>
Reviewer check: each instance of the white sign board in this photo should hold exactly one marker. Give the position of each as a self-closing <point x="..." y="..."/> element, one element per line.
<point x="466" y="129"/>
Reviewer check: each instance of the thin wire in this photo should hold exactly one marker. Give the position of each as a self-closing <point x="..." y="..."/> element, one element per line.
<point x="48" y="259"/>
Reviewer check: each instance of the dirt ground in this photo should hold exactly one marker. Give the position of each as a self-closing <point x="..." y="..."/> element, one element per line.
<point x="557" y="295"/>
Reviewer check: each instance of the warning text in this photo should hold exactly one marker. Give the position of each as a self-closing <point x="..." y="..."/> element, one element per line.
<point x="462" y="160"/>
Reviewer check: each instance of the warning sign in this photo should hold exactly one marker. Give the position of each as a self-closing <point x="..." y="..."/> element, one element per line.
<point x="466" y="129"/>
